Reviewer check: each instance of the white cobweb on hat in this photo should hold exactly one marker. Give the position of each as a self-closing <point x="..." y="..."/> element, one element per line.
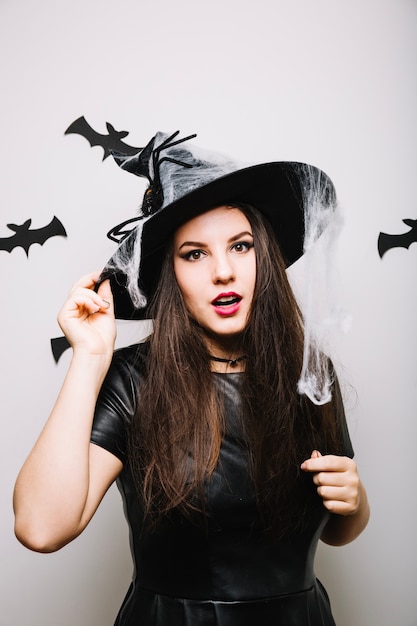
<point x="322" y="313"/>
<point x="126" y="261"/>
<point x="206" y="166"/>
<point x="177" y="181"/>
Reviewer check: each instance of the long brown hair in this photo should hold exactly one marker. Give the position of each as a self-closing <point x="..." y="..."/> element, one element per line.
<point x="176" y="437"/>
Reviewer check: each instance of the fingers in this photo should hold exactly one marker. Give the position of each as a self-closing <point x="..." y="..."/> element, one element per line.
<point x="340" y="498"/>
<point x="86" y="302"/>
<point x="328" y="463"/>
<point x="86" y="308"/>
<point x="83" y="296"/>
<point x="337" y="481"/>
<point x="105" y="291"/>
<point x="87" y="317"/>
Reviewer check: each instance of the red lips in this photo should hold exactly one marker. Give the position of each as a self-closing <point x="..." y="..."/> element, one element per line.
<point x="227" y="303"/>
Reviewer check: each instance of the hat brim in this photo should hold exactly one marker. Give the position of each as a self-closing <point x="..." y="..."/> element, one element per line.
<point x="272" y="188"/>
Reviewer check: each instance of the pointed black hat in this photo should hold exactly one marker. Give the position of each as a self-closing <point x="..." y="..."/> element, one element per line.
<point x="185" y="181"/>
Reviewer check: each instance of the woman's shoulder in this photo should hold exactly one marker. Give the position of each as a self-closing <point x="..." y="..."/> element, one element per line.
<point x="132" y="357"/>
<point x="124" y="375"/>
<point x="117" y="401"/>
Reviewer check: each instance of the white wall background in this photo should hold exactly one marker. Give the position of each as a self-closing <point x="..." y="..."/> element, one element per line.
<point x="328" y="82"/>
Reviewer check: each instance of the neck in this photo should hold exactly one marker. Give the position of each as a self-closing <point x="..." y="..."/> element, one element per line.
<point x="229" y="363"/>
<point x="232" y="362"/>
<point x="226" y="356"/>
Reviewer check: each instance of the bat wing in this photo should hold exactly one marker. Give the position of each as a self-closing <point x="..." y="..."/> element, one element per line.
<point x="121" y="146"/>
<point x="386" y="241"/>
<point x="83" y="128"/>
<point x="10" y="243"/>
<point x="55" y="228"/>
<point x="59" y="345"/>
<point x="7" y="244"/>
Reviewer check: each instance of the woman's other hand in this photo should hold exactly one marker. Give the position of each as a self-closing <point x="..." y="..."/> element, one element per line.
<point x="343" y="494"/>
<point x="337" y="482"/>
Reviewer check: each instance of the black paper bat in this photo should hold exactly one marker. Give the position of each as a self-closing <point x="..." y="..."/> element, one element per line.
<point x="111" y="141"/>
<point x="386" y="241"/>
<point x="24" y="236"/>
<point x="58" y="346"/>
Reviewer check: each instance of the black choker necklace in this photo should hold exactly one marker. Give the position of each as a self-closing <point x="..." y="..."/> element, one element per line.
<point x="231" y="362"/>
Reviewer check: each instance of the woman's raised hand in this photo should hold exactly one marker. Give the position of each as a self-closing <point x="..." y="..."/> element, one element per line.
<point x="87" y="317"/>
<point x="65" y="477"/>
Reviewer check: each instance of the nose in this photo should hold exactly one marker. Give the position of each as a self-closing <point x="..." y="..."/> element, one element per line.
<point x="223" y="270"/>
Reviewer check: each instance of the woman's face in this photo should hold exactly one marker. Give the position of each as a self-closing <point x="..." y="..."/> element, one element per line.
<point x="215" y="267"/>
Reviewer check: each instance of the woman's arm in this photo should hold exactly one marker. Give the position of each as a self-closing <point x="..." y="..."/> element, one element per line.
<point x="343" y="495"/>
<point x="65" y="476"/>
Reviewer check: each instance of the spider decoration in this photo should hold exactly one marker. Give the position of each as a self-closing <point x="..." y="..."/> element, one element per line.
<point x="140" y="165"/>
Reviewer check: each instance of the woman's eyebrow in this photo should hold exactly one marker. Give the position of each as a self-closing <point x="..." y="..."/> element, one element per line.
<point x="201" y="244"/>
<point x="192" y="244"/>
<point x="238" y="236"/>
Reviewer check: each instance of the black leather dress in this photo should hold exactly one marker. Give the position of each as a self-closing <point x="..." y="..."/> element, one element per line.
<point x="228" y="572"/>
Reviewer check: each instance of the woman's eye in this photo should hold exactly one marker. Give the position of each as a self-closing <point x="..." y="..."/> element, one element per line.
<point x="242" y="246"/>
<point x="193" y="255"/>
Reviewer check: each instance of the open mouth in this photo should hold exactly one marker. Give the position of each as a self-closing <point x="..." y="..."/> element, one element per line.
<point x="227" y="303"/>
<point x="227" y="300"/>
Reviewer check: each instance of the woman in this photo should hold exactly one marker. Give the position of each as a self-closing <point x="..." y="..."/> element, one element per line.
<point x="229" y="475"/>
